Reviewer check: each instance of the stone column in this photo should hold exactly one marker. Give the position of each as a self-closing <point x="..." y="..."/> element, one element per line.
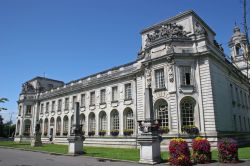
<point x="76" y="139"/>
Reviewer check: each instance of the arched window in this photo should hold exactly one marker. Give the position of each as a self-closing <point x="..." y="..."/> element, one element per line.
<point x="161" y="112"/>
<point x="46" y="126"/>
<point x="82" y="121"/>
<point x="65" y="125"/>
<point x="92" y="122"/>
<point x="239" y="50"/>
<point x="18" y="127"/>
<point x="27" y="125"/>
<point x="41" y="125"/>
<point x="114" y="120"/>
<point x="58" y="126"/>
<point x="187" y="111"/>
<point x="103" y="120"/>
<point x="128" y="119"/>
<point x="52" y="122"/>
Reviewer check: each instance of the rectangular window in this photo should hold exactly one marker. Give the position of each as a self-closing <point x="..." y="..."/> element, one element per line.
<point x="103" y="96"/>
<point x="114" y="93"/>
<point x="42" y="109"/>
<point x="53" y="106"/>
<point x="28" y="109"/>
<point x="47" y="108"/>
<point x="92" y="98"/>
<point x="128" y="92"/>
<point x="82" y="100"/>
<point x="66" y="103"/>
<point x="59" y="106"/>
<point x="74" y="99"/>
<point x="159" y="79"/>
<point x="185" y="73"/>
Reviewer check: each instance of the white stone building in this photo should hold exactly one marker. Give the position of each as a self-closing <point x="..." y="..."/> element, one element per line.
<point x="193" y="84"/>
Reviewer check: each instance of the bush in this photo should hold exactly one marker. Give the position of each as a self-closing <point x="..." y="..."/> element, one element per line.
<point x="102" y="132"/>
<point x="91" y="133"/>
<point x="114" y="132"/>
<point x="164" y="130"/>
<point x="57" y="133"/>
<point x="65" y="133"/>
<point x="227" y="150"/>
<point x="45" y="133"/>
<point x="26" y="134"/>
<point x="190" y="129"/>
<point x="179" y="152"/>
<point x="128" y="132"/>
<point x="201" y="150"/>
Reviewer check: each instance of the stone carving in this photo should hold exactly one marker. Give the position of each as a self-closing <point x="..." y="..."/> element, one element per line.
<point x="170" y="49"/>
<point x="148" y="76"/>
<point x="199" y="30"/>
<point x="168" y="31"/>
<point x="27" y="87"/>
<point x="170" y="73"/>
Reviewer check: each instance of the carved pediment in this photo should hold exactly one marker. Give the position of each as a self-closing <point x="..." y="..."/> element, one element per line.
<point x="168" y="31"/>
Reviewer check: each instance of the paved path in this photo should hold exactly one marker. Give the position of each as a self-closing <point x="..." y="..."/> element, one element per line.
<point x="13" y="157"/>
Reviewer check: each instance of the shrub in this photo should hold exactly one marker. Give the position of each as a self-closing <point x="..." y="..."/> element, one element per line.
<point x="65" y="133"/>
<point x="26" y="134"/>
<point x="190" y="129"/>
<point x="228" y="150"/>
<point x="179" y="152"/>
<point x="91" y="133"/>
<point x="102" y="132"/>
<point x="201" y="150"/>
<point x="114" y="132"/>
<point x="57" y="133"/>
<point x="45" y="133"/>
<point x="164" y="130"/>
<point x="128" y="132"/>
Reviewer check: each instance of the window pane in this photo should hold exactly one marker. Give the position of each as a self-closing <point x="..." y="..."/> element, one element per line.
<point x="187" y="111"/>
<point x="103" y="96"/>
<point x="92" y="98"/>
<point x="83" y="100"/>
<point x="114" y="94"/>
<point x="128" y="94"/>
<point x="159" y="79"/>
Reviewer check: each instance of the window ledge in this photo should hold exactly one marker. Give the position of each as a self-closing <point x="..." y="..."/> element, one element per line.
<point x="114" y="103"/>
<point x="187" y="88"/>
<point x="128" y="101"/>
<point x="103" y="105"/>
<point x="92" y="107"/>
<point x="160" y="89"/>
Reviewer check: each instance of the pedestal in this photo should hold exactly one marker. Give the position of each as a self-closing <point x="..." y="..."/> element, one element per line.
<point x="36" y="140"/>
<point x="150" y="149"/>
<point x="75" y="145"/>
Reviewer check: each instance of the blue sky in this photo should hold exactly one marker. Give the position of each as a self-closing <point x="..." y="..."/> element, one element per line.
<point x="71" y="39"/>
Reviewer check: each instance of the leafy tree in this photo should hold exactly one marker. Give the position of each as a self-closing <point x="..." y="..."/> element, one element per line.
<point x="3" y="100"/>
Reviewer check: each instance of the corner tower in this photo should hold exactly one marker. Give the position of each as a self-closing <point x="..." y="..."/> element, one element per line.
<point x="240" y="51"/>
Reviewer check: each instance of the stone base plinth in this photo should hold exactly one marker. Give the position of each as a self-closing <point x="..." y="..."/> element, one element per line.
<point x="36" y="140"/>
<point x="75" y="145"/>
<point x="150" y="149"/>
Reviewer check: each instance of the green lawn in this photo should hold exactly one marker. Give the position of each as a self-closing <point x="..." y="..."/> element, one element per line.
<point x="112" y="153"/>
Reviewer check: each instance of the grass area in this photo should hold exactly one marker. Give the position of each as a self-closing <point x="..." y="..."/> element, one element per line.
<point x="112" y="153"/>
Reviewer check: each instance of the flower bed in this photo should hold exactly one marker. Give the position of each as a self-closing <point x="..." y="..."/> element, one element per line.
<point x="201" y="150"/>
<point x="114" y="132"/>
<point x="190" y="129"/>
<point x="179" y="152"/>
<point x="102" y="132"/>
<point x="65" y="133"/>
<point x="227" y="150"/>
<point x="127" y="132"/>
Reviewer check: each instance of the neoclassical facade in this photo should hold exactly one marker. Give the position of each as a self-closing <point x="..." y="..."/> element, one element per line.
<point x="193" y="84"/>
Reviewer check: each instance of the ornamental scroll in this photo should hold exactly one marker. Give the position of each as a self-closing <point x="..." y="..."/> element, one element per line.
<point x="168" y="31"/>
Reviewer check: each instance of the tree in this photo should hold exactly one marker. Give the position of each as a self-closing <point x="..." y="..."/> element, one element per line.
<point x="3" y="100"/>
